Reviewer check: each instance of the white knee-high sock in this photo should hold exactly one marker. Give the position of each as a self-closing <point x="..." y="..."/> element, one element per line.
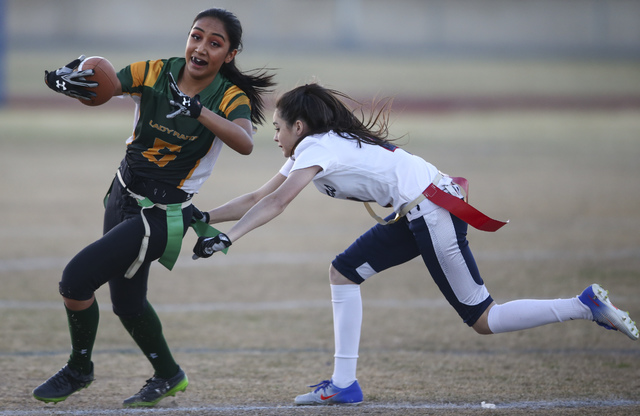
<point x="347" y="323"/>
<point x="526" y="313"/>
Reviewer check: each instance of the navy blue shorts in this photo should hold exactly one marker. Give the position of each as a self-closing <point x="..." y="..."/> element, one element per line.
<point x="441" y="239"/>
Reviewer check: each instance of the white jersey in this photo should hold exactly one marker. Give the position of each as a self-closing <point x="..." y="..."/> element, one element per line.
<point x="389" y="176"/>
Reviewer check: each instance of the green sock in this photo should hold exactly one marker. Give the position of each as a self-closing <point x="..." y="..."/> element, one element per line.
<point x="146" y="331"/>
<point x="83" y="326"/>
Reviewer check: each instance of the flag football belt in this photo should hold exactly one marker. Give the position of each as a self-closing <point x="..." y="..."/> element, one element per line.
<point x="457" y="206"/>
<point x="174" y="230"/>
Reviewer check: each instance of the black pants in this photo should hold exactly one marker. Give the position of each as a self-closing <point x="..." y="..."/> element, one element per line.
<point x="109" y="258"/>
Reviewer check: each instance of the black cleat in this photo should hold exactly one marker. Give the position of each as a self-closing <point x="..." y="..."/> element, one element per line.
<point x="157" y="389"/>
<point x="62" y="385"/>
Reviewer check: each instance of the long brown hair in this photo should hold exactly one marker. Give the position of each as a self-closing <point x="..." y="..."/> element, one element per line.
<point x="324" y="109"/>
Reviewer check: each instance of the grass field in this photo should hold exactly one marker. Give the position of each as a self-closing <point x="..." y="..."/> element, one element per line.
<point x="253" y="328"/>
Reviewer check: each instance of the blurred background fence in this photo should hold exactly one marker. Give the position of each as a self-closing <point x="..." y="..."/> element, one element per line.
<point x="434" y="48"/>
<point x="601" y="28"/>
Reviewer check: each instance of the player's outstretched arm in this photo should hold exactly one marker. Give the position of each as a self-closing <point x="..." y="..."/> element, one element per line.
<point x="237" y="207"/>
<point x="261" y="213"/>
<point x="275" y="203"/>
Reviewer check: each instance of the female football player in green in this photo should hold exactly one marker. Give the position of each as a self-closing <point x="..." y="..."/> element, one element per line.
<point x="187" y="109"/>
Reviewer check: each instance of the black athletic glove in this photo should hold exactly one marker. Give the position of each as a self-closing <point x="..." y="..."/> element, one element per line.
<point x="69" y="82"/>
<point x="206" y="246"/>
<point x="185" y="105"/>
<point x="199" y="216"/>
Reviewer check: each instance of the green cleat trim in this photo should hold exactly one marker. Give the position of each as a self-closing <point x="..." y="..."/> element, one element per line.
<point x="182" y="386"/>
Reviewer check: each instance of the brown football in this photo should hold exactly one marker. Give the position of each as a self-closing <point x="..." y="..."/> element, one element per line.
<point x="104" y="75"/>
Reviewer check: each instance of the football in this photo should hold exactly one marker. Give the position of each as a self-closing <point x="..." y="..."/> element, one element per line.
<point x="104" y="75"/>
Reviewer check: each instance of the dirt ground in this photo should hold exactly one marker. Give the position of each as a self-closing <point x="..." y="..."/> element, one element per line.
<point x="252" y="329"/>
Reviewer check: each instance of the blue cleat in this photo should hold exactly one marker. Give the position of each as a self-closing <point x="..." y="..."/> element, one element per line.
<point x="607" y="315"/>
<point x="326" y="393"/>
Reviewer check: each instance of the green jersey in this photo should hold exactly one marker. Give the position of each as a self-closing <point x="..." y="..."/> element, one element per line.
<point x="178" y="151"/>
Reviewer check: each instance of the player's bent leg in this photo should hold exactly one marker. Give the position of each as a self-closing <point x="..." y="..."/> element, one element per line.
<point x="326" y="393"/>
<point x="157" y="389"/>
<point x="62" y="384"/>
<point x="605" y="313"/>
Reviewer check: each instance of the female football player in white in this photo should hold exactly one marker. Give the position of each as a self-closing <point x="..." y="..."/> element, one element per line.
<point x="348" y="158"/>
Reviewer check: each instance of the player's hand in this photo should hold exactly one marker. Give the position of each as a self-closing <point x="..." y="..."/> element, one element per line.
<point x="68" y="81"/>
<point x="199" y="216"/>
<point x="206" y="246"/>
<point x="185" y="105"/>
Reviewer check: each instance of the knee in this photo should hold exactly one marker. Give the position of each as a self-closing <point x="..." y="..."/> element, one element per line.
<point x="336" y="278"/>
<point x="75" y="283"/>
<point x="482" y="330"/>
<point x="74" y="290"/>
<point x="481" y="326"/>
<point x="128" y="309"/>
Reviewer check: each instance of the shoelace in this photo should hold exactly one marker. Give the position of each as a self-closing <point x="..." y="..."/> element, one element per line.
<point x="157" y="384"/>
<point x="323" y="385"/>
<point x="148" y="383"/>
<point x="62" y="378"/>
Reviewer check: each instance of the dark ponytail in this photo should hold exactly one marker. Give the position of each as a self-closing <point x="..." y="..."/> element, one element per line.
<point x="323" y="109"/>
<point x="254" y="83"/>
